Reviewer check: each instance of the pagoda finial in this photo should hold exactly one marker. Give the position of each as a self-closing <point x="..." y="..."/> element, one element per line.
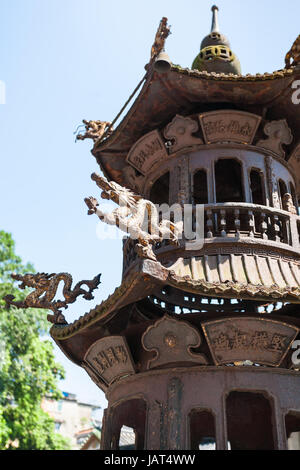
<point x="215" y="20"/>
<point x="215" y="51"/>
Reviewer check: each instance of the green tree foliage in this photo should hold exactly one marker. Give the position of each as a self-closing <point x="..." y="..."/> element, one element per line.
<point x="28" y="371"/>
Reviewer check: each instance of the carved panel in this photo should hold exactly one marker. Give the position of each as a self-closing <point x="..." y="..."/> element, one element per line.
<point x="258" y="340"/>
<point x="278" y="133"/>
<point x="229" y="126"/>
<point x="110" y="358"/>
<point x="180" y="131"/>
<point x="146" y="152"/>
<point x="172" y="341"/>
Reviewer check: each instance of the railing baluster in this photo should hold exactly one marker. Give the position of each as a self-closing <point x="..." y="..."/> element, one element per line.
<point x="263" y="226"/>
<point x="250" y="223"/>
<point x="237" y="223"/>
<point x="223" y="222"/>
<point x="286" y="230"/>
<point x="276" y="228"/>
<point x="235" y="220"/>
<point x="209" y="223"/>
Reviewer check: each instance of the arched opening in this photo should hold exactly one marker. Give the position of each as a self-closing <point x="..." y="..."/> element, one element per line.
<point x="257" y="187"/>
<point x="292" y="427"/>
<point x="228" y="178"/>
<point x="200" y="193"/>
<point x="249" y="421"/>
<point x="202" y="430"/>
<point x="123" y="420"/>
<point x="127" y="440"/>
<point x="159" y="193"/>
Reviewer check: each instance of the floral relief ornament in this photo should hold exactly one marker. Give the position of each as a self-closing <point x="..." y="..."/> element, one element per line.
<point x="278" y="133"/>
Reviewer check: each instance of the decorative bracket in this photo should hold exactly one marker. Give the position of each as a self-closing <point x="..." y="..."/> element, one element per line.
<point x="180" y="130"/>
<point x="278" y="133"/>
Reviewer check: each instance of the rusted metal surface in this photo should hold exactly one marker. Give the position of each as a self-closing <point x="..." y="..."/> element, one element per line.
<point x="172" y="341"/>
<point x="261" y="341"/>
<point x="164" y="96"/>
<point x="181" y="390"/>
<point x="174" y="414"/>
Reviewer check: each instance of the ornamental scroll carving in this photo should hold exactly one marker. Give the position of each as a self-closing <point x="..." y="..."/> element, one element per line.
<point x="180" y="131"/>
<point x="172" y="341"/>
<point x="261" y="341"/>
<point x="229" y="126"/>
<point x="110" y="359"/>
<point x="278" y="133"/>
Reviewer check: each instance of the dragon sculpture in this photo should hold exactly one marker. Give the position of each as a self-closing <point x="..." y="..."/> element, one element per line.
<point x="95" y="130"/>
<point x="130" y="217"/>
<point x="293" y="54"/>
<point x="160" y="38"/>
<point x="46" y="286"/>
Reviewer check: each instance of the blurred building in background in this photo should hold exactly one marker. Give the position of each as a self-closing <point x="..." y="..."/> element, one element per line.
<point x="73" y="419"/>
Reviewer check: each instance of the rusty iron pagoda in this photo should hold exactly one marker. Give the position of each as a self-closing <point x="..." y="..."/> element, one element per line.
<point x="196" y="345"/>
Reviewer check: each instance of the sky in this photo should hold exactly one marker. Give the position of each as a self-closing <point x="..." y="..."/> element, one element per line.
<point x="67" y="60"/>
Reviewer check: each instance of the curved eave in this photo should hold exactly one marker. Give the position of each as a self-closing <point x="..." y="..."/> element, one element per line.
<point x="74" y="339"/>
<point x="105" y="311"/>
<point x="184" y="91"/>
<point x="236" y="290"/>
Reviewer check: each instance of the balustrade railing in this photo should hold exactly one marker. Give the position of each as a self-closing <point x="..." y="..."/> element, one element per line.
<point x="247" y="220"/>
<point x="236" y="222"/>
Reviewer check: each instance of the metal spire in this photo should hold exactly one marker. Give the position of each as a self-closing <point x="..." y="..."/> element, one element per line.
<point x="215" y="20"/>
